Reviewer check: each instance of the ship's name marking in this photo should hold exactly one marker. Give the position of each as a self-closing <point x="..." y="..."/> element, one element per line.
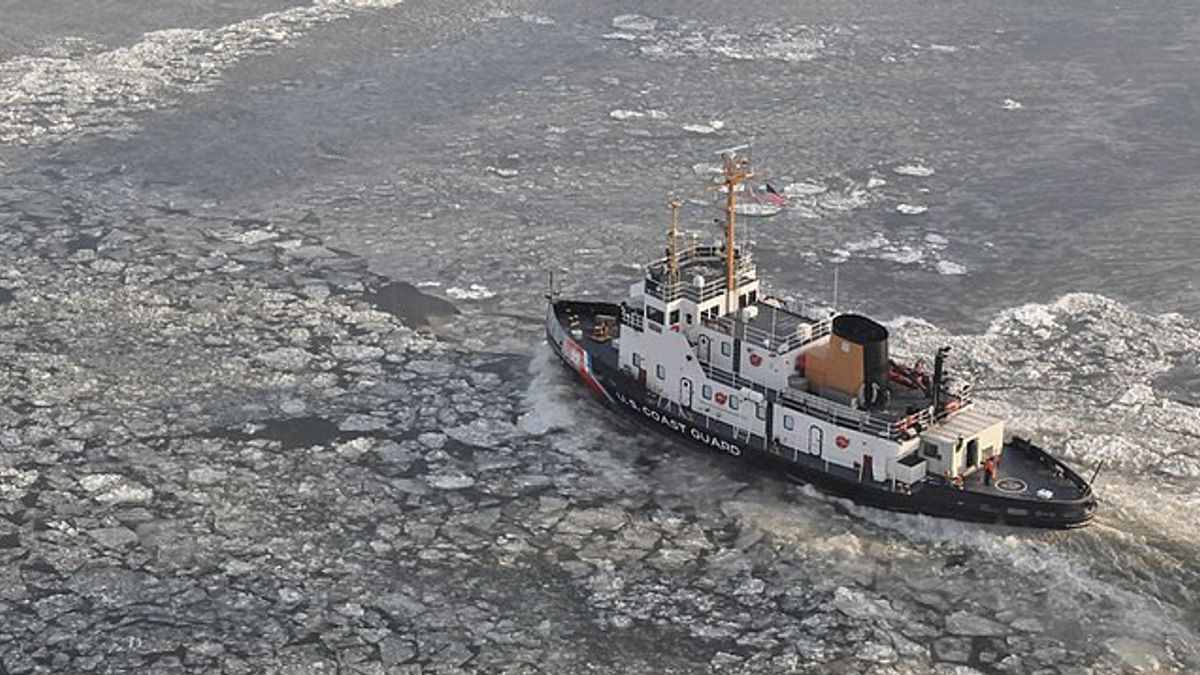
<point x="681" y="427"/>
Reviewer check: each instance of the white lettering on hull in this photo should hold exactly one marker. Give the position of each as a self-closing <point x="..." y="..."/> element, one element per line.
<point x="681" y="428"/>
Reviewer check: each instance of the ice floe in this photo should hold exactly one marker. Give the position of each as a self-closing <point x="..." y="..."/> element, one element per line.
<point x="711" y="127"/>
<point x="949" y="268"/>
<point x="537" y="19"/>
<point x="637" y="114"/>
<point x="914" y="169"/>
<point x="911" y="209"/>
<point x="925" y="251"/>
<point x="49" y="96"/>
<point x="659" y="38"/>
<point x="472" y="292"/>
<point x="634" y="22"/>
<point x="804" y="189"/>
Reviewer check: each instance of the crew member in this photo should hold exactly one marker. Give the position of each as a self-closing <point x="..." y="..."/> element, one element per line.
<point x="989" y="470"/>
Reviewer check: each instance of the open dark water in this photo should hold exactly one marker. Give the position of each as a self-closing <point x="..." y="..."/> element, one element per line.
<point x="217" y="218"/>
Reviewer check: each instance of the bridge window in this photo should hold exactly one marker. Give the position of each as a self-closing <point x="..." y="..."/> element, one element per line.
<point x="688" y="317"/>
<point x="706" y="391"/>
<point x="637" y="360"/>
<point x="660" y="371"/>
<point x="789" y="422"/>
<point x="734" y="402"/>
<point x="674" y="316"/>
<point x="760" y="411"/>
<point x="930" y="450"/>
<point x="726" y="349"/>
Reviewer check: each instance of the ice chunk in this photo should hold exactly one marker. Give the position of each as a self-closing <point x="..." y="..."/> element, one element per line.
<point x="904" y="255"/>
<point x="1137" y="394"/>
<point x="634" y="22"/>
<point x="858" y="605"/>
<point x="360" y="422"/>
<point x="803" y="189"/>
<point x="449" y="481"/>
<point x="967" y="624"/>
<point x="537" y="19"/>
<point x="473" y="292"/>
<point x="948" y="268"/>
<point x="637" y="114"/>
<point x="113" y="537"/>
<point x="356" y="352"/>
<point x="626" y="115"/>
<point x="126" y="494"/>
<point x="286" y="358"/>
<point x="13" y="482"/>
<point x="911" y="209"/>
<point x="712" y="127"/>
<point x="915" y="169"/>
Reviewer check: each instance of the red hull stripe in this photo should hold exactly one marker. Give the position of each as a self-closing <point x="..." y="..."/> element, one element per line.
<point x="581" y="361"/>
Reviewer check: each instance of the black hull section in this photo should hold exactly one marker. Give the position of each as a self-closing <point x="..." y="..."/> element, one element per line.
<point x="934" y="498"/>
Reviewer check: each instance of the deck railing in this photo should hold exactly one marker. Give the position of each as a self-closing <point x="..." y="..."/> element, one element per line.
<point x="926" y="417"/>
<point x="659" y="286"/>
<point x="840" y="413"/>
<point x="778" y="342"/>
<point x="714" y="288"/>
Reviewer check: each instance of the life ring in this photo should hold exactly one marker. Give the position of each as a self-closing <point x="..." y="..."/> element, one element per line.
<point x="842" y="442"/>
<point x="952" y="406"/>
<point x="719" y="397"/>
<point x="755" y="360"/>
<point x="675" y="328"/>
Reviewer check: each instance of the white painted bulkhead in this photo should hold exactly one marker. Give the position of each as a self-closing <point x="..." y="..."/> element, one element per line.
<point x="818" y="437"/>
<point x="665" y="358"/>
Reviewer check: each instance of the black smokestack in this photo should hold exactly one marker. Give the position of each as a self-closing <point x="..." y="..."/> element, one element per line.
<point x="939" y="372"/>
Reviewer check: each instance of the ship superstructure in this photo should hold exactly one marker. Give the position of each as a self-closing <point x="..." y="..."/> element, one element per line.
<point x="700" y="351"/>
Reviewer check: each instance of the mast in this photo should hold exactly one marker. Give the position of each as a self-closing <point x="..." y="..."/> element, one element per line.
<point x="673" y="240"/>
<point x="734" y="175"/>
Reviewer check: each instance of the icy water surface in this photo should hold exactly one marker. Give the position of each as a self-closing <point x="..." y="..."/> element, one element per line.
<point x="275" y="396"/>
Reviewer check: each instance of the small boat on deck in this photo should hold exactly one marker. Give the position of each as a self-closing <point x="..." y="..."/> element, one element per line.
<point x="700" y="353"/>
